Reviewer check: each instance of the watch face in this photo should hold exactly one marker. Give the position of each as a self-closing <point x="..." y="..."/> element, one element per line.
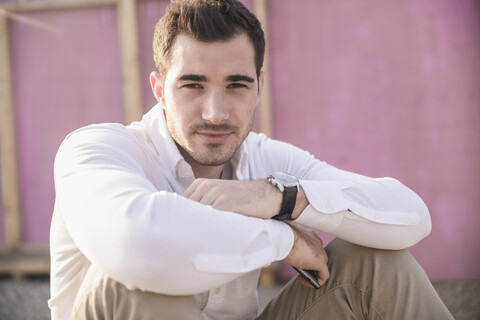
<point x="285" y="180"/>
<point x="288" y="184"/>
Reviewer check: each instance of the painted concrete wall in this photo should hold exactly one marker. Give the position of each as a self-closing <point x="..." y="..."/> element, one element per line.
<point x="390" y="88"/>
<point x="62" y="80"/>
<point x="383" y="88"/>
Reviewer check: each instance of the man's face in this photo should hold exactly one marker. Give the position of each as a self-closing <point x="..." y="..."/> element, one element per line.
<point x="209" y="97"/>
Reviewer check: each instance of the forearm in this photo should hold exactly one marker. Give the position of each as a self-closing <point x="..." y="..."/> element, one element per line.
<point x="380" y="213"/>
<point x="150" y="240"/>
<point x="374" y="212"/>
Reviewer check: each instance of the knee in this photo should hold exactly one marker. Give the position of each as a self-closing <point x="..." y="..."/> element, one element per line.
<point x="343" y="254"/>
<point x="89" y="303"/>
<point x="340" y="251"/>
<point x="101" y="297"/>
<point x="344" y="249"/>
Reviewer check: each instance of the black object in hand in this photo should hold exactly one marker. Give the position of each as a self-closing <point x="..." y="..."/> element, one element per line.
<point x="309" y="276"/>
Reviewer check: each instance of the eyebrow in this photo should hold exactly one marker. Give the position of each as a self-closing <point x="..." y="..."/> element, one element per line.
<point x="240" y="77"/>
<point x="192" y="77"/>
<point x="231" y="78"/>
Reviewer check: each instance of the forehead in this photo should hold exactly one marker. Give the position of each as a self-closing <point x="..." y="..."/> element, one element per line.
<point x="212" y="59"/>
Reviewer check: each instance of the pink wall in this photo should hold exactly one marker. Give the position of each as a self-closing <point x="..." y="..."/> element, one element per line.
<point x="61" y="81"/>
<point x="380" y="88"/>
<point x="390" y="88"/>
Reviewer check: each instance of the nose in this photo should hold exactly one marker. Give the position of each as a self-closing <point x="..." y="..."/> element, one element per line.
<point x="215" y="109"/>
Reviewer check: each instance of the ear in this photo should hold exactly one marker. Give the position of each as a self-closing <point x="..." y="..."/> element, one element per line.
<point x="157" y="86"/>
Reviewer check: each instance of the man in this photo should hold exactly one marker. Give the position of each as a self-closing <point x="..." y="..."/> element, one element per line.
<point x="171" y="217"/>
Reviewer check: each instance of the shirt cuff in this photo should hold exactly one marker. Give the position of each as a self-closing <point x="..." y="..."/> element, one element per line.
<point x="313" y="219"/>
<point x="324" y="196"/>
<point x="282" y="238"/>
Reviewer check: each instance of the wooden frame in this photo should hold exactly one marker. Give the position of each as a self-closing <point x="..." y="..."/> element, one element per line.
<point x="17" y="258"/>
<point x="129" y="51"/>
<point x="8" y="152"/>
<point x="266" y="123"/>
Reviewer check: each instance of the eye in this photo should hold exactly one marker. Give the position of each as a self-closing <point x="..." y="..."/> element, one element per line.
<point x="237" y="85"/>
<point x="192" y="86"/>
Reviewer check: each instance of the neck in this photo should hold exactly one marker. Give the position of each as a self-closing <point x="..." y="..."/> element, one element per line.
<point x="208" y="172"/>
<point x="200" y="170"/>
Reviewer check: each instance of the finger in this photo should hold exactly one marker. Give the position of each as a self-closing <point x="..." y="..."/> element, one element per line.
<point x="195" y="186"/>
<point x="323" y="274"/>
<point x="196" y="190"/>
<point x="190" y="190"/>
<point x="188" y="193"/>
<point x="204" y="196"/>
<point x="195" y="195"/>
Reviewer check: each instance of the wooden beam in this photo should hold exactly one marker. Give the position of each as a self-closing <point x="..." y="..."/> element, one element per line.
<point x="129" y="52"/>
<point x="8" y="151"/>
<point x="26" y="20"/>
<point x="26" y="260"/>
<point x="266" y="122"/>
<point x="54" y="4"/>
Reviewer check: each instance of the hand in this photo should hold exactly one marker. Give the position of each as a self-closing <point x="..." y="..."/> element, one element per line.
<point x="254" y="198"/>
<point x="308" y="254"/>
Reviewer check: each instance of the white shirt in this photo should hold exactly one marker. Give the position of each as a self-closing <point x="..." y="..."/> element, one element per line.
<point x="119" y="206"/>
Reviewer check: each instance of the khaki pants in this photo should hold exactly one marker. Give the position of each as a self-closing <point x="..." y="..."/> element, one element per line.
<point x="364" y="284"/>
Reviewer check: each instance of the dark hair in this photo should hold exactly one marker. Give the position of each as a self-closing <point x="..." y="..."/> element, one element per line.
<point x="209" y="21"/>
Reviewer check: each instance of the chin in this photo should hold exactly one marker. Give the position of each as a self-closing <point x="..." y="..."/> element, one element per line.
<point x="213" y="158"/>
<point x="212" y="162"/>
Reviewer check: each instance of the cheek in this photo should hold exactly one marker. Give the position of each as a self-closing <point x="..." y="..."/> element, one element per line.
<point x="178" y="120"/>
<point x="244" y="113"/>
<point x="181" y="109"/>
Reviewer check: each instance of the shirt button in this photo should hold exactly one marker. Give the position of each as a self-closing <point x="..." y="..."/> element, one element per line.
<point x="378" y="216"/>
<point x="183" y="171"/>
<point x="218" y="290"/>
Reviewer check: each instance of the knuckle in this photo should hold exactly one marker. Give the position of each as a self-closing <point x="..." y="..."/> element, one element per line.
<point x="202" y="181"/>
<point x="221" y="203"/>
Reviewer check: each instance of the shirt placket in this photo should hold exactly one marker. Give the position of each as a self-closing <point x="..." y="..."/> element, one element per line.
<point x="216" y="298"/>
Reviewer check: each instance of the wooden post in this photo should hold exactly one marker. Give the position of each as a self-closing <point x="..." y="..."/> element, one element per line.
<point x="8" y="151"/>
<point x="260" y="9"/>
<point x="128" y="31"/>
<point x="15" y="257"/>
<point x="266" y="123"/>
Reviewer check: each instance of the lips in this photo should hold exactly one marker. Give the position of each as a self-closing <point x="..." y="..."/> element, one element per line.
<point x="214" y="137"/>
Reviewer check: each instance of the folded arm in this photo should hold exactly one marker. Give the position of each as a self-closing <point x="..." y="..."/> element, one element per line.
<point x="147" y="238"/>
<point x="374" y="212"/>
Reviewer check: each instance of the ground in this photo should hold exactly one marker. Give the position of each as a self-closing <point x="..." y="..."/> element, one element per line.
<point x="27" y="299"/>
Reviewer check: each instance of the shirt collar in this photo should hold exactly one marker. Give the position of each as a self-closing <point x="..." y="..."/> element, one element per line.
<point x="165" y="146"/>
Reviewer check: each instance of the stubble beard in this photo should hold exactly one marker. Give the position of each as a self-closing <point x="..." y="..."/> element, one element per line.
<point x="214" y="160"/>
<point x="213" y="155"/>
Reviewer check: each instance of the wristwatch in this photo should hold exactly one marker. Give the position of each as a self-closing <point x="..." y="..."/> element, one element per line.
<point x="288" y="185"/>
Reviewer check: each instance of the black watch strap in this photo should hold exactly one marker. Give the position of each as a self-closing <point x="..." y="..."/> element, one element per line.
<point x="288" y="203"/>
